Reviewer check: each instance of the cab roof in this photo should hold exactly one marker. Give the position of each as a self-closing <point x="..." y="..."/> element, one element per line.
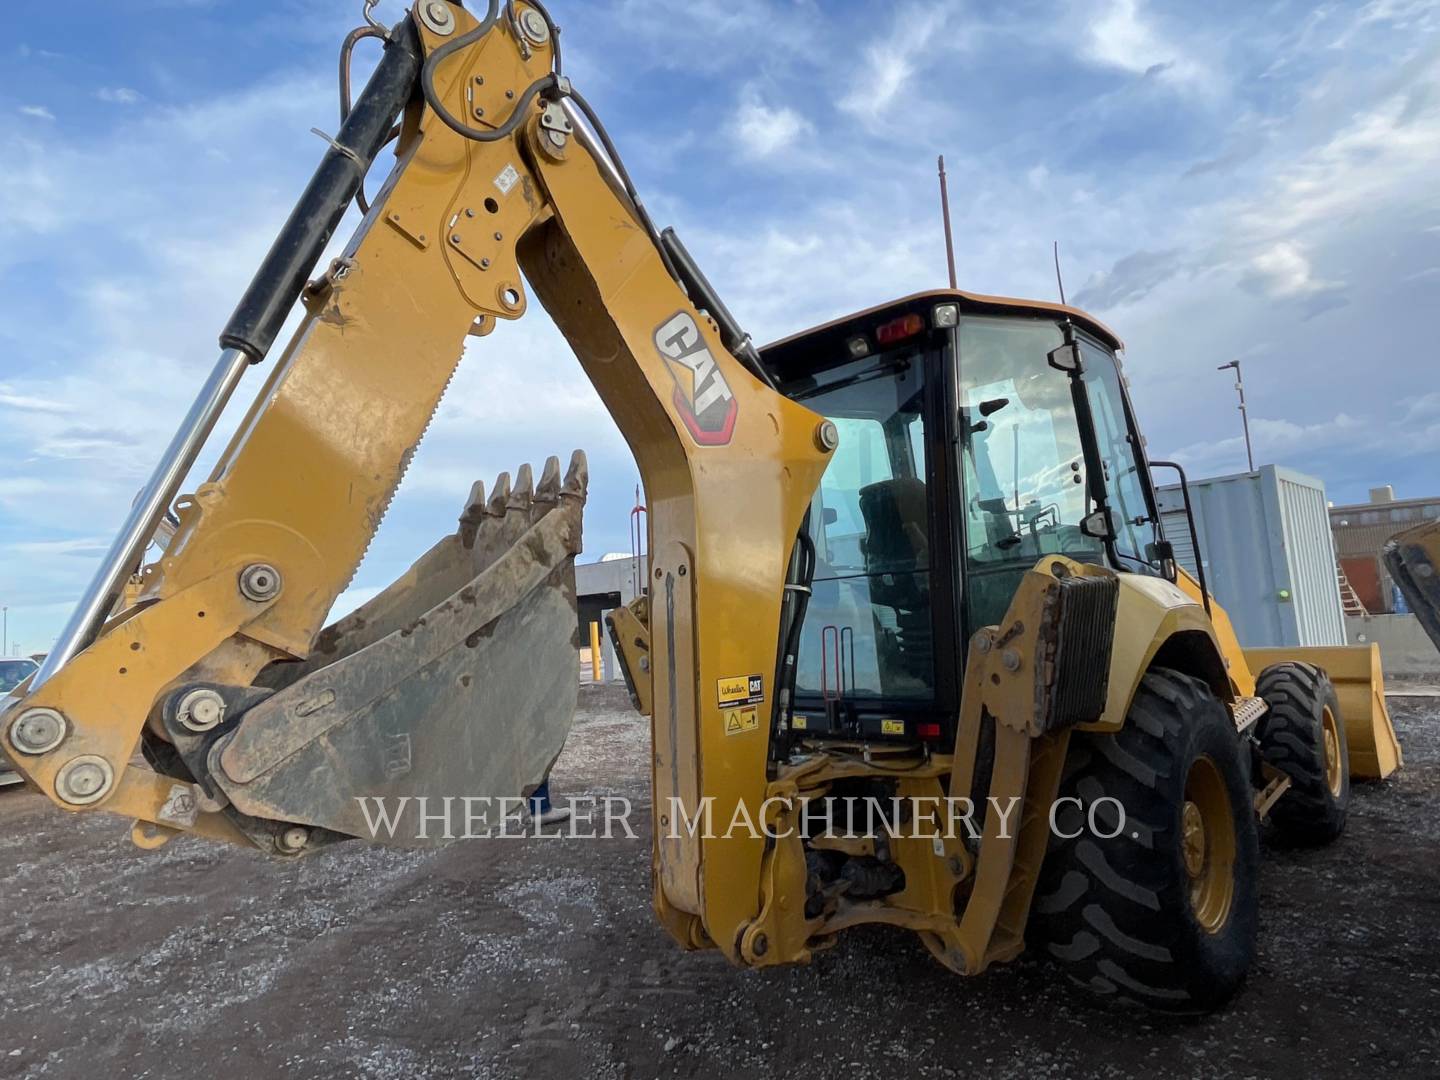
<point x="777" y="353"/>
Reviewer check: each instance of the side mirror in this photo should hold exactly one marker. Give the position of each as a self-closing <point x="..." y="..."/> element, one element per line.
<point x="1066" y="358"/>
<point x="985" y="408"/>
<point x="994" y="405"/>
<point x="1098" y="526"/>
<point x="1163" y="552"/>
<point x="830" y="515"/>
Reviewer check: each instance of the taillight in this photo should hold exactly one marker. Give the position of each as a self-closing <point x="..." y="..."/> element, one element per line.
<point x="906" y="326"/>
<point x="928" y="731"/>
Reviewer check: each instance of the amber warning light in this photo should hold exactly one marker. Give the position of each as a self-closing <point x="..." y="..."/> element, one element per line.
<point x="906" y="326"/>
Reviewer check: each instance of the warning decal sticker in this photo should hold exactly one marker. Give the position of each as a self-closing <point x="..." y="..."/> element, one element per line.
<point x="507" y="179"/>
<point x="738" y="721"/>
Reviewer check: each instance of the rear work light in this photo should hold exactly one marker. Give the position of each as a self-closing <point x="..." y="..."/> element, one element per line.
<point x="906" y="326"/>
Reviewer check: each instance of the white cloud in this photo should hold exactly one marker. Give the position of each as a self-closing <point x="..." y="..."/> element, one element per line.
<point x="1417" y="16"/>
<point x="1424" y="407"/>
<point x="88" y="547"/>
<point x="1281" y="441"/>
<point x="1384" y="147"/>
<point x="780" y="279"/>
<point x="891" y="63"/>
<point x="691" y="37"/>
<point x="82" y="443"/>
<point x="9" y="399"/>
<point x="765" y="131"/>
<point x="25" y="52"/>
<point x="16" y="490"/>
<point x="1120" y="36"/>
<point x="39" y="112"/>
<point x="1286" y="271"/>
<point x="119" y="95"/>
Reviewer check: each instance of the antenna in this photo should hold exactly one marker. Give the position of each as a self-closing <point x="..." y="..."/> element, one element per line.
<point x="945" y="213"/>
<point x="1058" y="279"/>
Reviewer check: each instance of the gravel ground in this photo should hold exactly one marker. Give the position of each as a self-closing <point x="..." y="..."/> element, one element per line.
<point x="541" y="958"/>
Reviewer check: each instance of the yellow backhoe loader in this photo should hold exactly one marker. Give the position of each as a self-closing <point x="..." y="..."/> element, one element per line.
<point x="910" y="612"/>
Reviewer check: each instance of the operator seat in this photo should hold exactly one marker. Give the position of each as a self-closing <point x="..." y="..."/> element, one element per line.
<point x="896" y="548"/>
<point x="897" y="534"/>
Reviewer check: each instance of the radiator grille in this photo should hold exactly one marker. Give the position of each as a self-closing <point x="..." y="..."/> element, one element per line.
<point x="1081" y="632"/>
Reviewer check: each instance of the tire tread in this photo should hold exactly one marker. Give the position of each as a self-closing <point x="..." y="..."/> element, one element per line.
<point x="1111" y="911"/>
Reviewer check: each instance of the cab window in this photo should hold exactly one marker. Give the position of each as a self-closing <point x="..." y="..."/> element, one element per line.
<point x="867" y="631"/>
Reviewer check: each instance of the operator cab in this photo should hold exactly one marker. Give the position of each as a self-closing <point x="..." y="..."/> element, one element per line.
<point x="977" y="435"/>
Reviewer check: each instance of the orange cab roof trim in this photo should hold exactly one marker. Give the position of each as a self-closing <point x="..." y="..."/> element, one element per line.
<point x="969" y="302"/>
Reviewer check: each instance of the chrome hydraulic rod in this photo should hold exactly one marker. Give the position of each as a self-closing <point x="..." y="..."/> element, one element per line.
<point x="135" y="535"/>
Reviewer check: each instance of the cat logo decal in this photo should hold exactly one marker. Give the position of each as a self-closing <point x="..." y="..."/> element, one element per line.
<point x="702" y="396"/>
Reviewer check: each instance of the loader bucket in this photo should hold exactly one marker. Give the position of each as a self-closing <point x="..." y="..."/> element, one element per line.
<point x="457" y="682"/>
<point x="1360" y="686"/>
<point x="1413" y="559"/>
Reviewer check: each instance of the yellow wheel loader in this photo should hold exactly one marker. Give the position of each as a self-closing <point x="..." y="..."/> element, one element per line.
<point x="914" y="649"/>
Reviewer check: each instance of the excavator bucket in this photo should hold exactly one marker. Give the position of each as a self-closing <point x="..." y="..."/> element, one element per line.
<point x="1360" y="687"/>
<point x="1413" y="559"/>
<point x="430" y="711"/>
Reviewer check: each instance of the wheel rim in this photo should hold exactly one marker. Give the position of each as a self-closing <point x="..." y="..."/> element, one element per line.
<point x="1334" y="776"/>
<point x="1208" y="844"/>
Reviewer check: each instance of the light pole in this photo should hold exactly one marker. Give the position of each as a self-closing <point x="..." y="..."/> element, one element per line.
<point x="1244" y="413"/>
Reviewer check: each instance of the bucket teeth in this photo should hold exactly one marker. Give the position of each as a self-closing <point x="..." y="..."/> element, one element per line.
<point x="475" y="504"/>
<point x="548" y="490"/>
<point x="523" y="492"/>
<point x="493" y="521"/>
<point x="499" y="496"/>
<point x="473" y="514"/>
<point x="577" y="477"/>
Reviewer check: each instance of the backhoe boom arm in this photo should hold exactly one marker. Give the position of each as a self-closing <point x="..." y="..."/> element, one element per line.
<point x="228" y="621"/>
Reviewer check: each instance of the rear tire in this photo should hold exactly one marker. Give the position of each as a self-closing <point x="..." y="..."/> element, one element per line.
<point x="1164" y="913"/>
<point x="1303" y="735"/>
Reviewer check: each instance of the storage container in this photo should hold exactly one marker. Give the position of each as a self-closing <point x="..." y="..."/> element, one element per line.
<point x="1269" y="555"/>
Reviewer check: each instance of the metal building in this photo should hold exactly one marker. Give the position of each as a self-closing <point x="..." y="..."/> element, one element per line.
<point x="1269" y="554"/>
<point x="600" y="587"/>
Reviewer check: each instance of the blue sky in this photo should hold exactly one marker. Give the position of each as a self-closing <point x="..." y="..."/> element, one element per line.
<point x="1251" y="180"/>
